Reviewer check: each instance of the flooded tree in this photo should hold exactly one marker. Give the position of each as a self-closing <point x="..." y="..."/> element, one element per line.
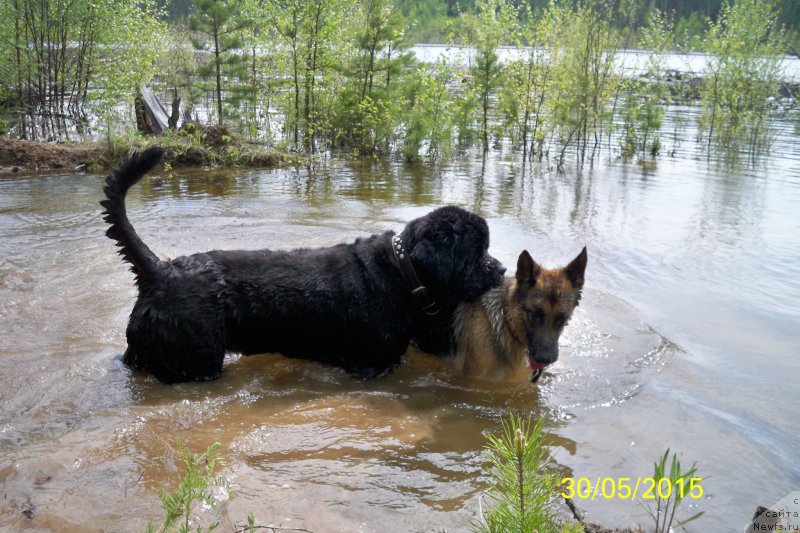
<point x="493" y="25"/>
<point x="522" y="98"/>
<point x="429" y="117"/>
<point x="371" y="102"/>
<point x="646" y="95"/>
<point x="745" y="46"/>
<point x="60" y="57"/>
<point x="584" y="77"/>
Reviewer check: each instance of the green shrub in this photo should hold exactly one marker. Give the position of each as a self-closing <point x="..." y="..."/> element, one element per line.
<point x="200" y="476"/>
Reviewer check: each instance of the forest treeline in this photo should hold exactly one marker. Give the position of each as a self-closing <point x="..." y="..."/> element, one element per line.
<point x="309" y="75"/>
<point x="436" y="21"/>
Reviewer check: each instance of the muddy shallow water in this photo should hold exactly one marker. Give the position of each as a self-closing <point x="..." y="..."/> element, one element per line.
<point x="686" y="339"/>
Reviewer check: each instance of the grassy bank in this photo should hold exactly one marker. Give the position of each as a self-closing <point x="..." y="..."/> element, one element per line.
<point x="193" y="146"/>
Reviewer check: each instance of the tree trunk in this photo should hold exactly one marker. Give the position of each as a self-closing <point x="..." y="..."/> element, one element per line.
<point x="176" y="106"/>
<point x="218" y="75"/>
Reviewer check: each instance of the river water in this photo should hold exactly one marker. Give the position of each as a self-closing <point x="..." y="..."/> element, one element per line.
<point x="627" y="61"/>
<point x="687" y="339"/>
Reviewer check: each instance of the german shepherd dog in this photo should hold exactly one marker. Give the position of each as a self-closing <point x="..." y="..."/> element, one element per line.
<point x="517" y="325"/>
<point x="353" y="305"/>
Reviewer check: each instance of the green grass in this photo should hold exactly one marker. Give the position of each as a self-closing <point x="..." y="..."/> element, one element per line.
<point x="671" y="489"/>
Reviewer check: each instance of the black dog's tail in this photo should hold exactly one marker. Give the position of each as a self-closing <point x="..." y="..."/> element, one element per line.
<point x="132" y="249"/>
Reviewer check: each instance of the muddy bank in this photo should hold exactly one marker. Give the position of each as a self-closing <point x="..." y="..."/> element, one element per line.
<point x="191" y="147"/>
<point x="17" y="155"/>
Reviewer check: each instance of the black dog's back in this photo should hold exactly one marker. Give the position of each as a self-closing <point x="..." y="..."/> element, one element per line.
<point x="320" y="304"/>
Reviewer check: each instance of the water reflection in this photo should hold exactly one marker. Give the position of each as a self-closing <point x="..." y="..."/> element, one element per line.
<point x="194" y="183"/>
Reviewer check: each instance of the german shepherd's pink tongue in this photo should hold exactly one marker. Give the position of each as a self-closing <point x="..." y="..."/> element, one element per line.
<point x="536" y="369"/>
<point x="535" y="365"/>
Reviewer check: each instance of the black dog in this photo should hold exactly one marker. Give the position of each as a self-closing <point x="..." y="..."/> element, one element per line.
<point x="353" y="305"/>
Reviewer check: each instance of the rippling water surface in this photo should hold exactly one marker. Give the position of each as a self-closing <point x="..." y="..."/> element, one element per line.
<point x="687" y="338"/>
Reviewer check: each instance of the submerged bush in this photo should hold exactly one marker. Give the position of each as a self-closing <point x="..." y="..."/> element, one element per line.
<point x="746" y="45"/>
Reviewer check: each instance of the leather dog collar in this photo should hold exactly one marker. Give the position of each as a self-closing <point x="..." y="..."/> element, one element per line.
<point x="420" y="292"/>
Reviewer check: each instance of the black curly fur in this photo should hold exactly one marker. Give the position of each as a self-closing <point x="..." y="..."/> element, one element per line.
<point x="346" y="305"/>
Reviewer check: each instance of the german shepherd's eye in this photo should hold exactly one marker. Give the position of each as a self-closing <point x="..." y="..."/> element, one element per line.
<point x="560" y="320"/>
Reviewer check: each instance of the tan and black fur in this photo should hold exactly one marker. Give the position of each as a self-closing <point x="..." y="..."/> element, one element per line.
<point x="516" y="326"/>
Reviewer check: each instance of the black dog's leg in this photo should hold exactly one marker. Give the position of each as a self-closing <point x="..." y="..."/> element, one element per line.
<point x="202" y="364"/>
<point x="175" y="347"/>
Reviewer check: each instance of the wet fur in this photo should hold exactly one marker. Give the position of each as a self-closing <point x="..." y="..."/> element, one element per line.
<point x="346" y="305"/>
<point x="495" y="336"/>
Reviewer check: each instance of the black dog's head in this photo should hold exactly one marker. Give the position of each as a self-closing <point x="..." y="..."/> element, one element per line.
<point x="449" y="250"/>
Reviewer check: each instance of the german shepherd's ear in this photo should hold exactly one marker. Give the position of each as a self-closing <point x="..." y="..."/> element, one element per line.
<point x="576" y="269"/>
<point x="527" y="269"/>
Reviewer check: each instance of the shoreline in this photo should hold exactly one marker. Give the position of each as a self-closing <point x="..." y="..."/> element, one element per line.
<point x="213" y="147"/>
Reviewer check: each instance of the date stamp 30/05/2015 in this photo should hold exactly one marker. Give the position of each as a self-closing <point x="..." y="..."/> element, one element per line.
<point x="625" y="488"/>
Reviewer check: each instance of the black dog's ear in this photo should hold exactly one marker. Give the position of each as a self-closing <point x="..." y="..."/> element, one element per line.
<point x="527" y="269"/>
<point x="576" y="269"/>
<point x="424" y="253"/>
